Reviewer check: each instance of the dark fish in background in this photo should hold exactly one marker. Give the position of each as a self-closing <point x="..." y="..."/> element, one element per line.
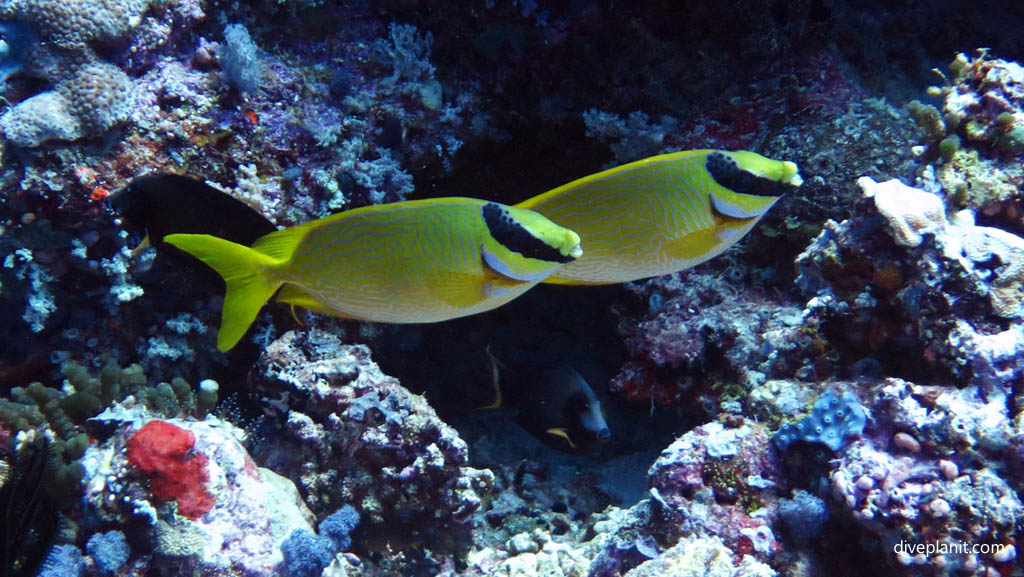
<point x="163" y="204"/>
<point x="556" y="404"/>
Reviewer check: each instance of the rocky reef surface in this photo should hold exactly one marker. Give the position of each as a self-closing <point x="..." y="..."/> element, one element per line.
<point x="842" y="393"/>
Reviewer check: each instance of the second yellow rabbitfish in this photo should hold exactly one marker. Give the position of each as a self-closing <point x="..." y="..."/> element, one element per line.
<point x="407" y="262"/>
<point x="664" y="213"/>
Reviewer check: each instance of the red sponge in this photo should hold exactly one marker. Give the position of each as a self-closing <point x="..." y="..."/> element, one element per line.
<point x="161" y="450"/>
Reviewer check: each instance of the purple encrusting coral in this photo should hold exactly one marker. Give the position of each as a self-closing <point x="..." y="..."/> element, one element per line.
<point x="840" y="394"/>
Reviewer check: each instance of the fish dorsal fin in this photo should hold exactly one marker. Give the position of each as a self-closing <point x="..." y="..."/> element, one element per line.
<point x="281" y="244"/>
<point x="613" y="177"/>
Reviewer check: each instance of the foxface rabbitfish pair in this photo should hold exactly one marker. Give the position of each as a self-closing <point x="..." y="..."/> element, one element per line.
<point x="437" y="259"/>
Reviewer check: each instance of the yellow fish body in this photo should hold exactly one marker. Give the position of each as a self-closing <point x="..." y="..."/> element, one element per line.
<point x="663" y="214"/>
<point x="407" y="262"/>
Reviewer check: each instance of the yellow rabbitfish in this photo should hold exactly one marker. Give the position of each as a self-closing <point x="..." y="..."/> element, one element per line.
<point x="407" y="262"/>
<point x="663" y="214"/>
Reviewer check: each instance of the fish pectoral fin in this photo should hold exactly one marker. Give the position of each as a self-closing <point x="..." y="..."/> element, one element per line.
<point x="561" y="433"/>
<point x="498" y="289"/>
<point x="295" y="296"/>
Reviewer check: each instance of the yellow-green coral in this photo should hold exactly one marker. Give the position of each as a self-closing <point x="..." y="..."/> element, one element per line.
<point x="988" y="188"/>
<point x="81" y="395"/>
<point x="928" y="118"/>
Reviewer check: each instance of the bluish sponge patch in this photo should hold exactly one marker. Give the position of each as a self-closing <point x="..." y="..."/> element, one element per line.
<point x="240" y="59"/>
<point x="63" y="561"/>
<point x="338" y="526"/>
<point x="833" y="419"/>
<point x="306" y="554"/>
<point x="109" y="551"/>
<point x="804" y="516"/>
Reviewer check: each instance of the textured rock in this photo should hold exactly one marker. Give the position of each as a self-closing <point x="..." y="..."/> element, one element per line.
<point x="254" y="510"/>
<point x="701" y="557"/>
<point x="716" y="495"/>
<point x="901" y="282"/>
<point x="357" y="436"/>
<point x="42" y="117"/>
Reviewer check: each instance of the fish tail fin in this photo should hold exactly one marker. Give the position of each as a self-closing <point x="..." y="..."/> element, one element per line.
<point x="245" y="272"/>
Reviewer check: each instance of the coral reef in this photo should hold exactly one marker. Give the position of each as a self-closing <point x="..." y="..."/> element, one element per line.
<point x="89" y="96"/>
<point x="848" y="375"/>
<point x="356" y="436"/>
<point x="978" y="134"/>
<point x="721" y="481"/>
<point x="953" y="300"/>
<point x="63" y="413"/>
<point x="932" y="476"/>
<point x="700" y="339"/>
<point x="245" y="511"/>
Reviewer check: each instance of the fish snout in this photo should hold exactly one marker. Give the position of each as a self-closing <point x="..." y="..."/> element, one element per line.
<point x="571" y="246"/>
<point x="604" y="434"/>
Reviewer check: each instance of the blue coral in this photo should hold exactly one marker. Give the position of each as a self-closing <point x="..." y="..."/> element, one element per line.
<point x="306" y="554"/>
<point x="63" y="561"/>
<point x="338" y="526"/>
<point x="109" y="551"/>
<point x="804" y="516"/>
<point x="832" y="420"/>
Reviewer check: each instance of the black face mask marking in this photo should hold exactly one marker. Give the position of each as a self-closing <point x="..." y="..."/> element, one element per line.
<point x="517" y="239"/>
<point x="727" y="173"/>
